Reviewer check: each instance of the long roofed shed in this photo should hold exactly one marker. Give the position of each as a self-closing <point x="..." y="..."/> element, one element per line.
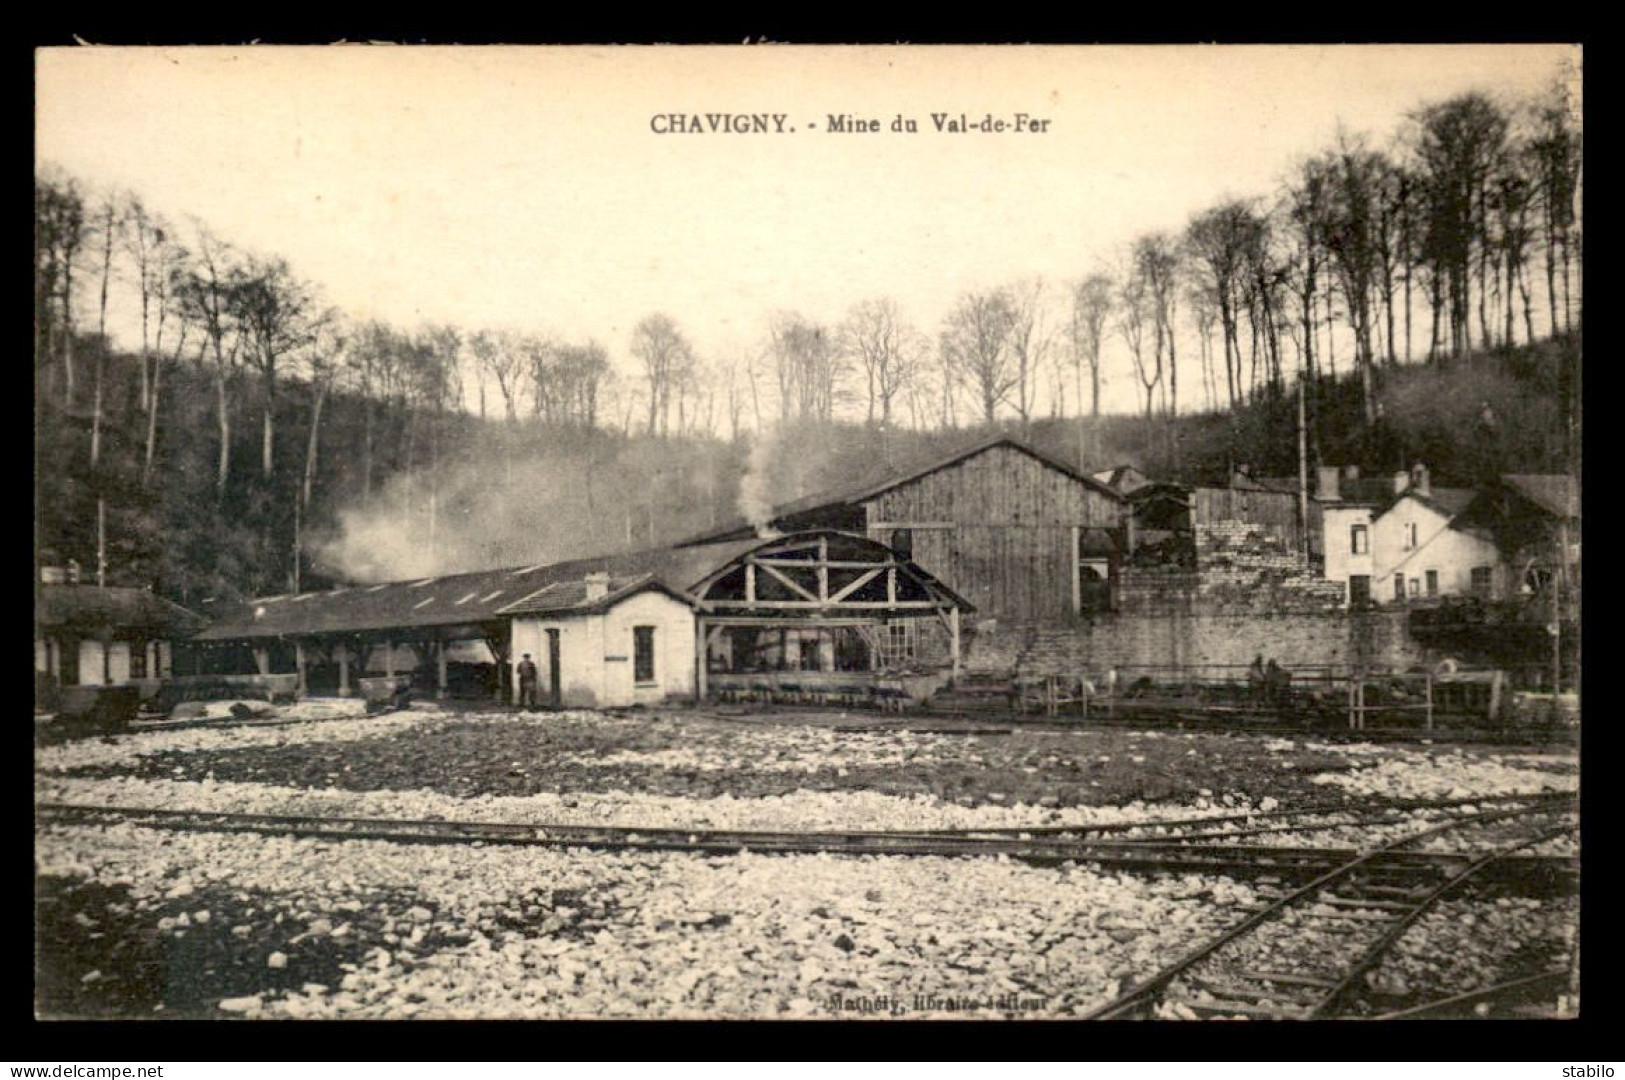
<point x="464" y="599"/>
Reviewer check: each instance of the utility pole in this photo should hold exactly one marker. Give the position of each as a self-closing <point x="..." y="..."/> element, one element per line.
<point x="1303" y="468"/>
<point x="101" y="542"/>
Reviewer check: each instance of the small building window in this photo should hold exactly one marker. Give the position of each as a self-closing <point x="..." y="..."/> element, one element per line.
<point x="902" y="542"/>
<point x="898" y="643"/>
<point x="1481" y="581"/>
<point x="138" y="659"/>
<point x="1416" y="587"/>
<point x="1359" y="590"/>
<point x="643" y="654"/>
<point x="1094" y="586"/>
<point x="1359" y="540"/>
<point x="1433" y="582"/>
<point x="1410" y="536"/>
<point x="1399" y="586"/>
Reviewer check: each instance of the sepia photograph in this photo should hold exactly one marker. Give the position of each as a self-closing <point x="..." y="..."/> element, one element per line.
<point x="820" y="533"/>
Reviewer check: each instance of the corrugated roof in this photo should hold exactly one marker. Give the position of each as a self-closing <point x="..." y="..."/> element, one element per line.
<point x="459" y="599"/>
<point x="92" y="607"/>
<point x="571" y="596"/>
<point x="880" y="478"/>
<point x="1555" y="493"/>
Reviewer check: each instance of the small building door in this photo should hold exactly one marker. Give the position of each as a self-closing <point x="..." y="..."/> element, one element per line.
<point x="554" y="698"/>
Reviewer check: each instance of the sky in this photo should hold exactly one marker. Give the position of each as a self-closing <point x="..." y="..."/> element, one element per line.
<point x="529" y="188"/>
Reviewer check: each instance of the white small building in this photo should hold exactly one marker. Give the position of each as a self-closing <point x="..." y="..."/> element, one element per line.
<point x="89" y="635"/>
<point x="1412" y="545"/>
<point x="600" y="643"/>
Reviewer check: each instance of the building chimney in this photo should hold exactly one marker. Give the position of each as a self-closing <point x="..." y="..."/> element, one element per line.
<point x="1420" y="482"/>
<point x="597" y="585"/>
<point x="1402" y="480"/>
<point x="1326" y="489"/>
<point x="1351" y="472"/>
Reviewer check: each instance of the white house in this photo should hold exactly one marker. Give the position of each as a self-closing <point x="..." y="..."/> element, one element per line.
<point x="1421" y="552"/>
<point x="601" y="645"/>
<point x="1413" y="544"/>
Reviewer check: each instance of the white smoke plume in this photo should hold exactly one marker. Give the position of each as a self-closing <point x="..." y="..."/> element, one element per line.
<point x="544" y="498"/>
<point x="756" y="486"/>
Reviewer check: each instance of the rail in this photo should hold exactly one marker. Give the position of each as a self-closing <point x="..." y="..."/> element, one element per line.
<point x="1367" y="891"/>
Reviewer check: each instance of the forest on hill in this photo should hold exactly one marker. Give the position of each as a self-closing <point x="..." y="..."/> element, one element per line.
<point x="242" y="437"/>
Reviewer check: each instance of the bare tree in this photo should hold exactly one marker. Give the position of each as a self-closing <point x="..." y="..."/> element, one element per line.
<point x="171" y="268"/>
<point x="1556" y="149"/>
<point x="147" y="244"/>
<point x="277" y="312"/>
<point x="1205" y="313"/>
<point x="502" y="354"/>
<point x="665" y="354"/>
<point x="1351" y="238"/>
<point x="1157" y="258"/>
<point x="887" y="350"/>
<point x="1457" y="144"/>
<point x="1031" y="339"/>
<point x="59" y="235"/>
<point x="1134" y="310"/>
<point x="109" y="223"/>
<point x="1091" y="305"/>
<point x="975" y="345"/>
<point x="808" y="365"/>
<point x="205" y="297"/>
<point x="1219" y="240"/>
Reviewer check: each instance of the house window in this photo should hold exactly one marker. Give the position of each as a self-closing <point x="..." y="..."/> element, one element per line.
<point x="1416" y="588"/>
<point x="902" y="542"/>
<point x="1094" y="586"/>
<point x="1410" y="536"/>
<point x="1399" y="586"/>
<point x="1359" y="540"/>
<point x="1359" y="590"/>
<point x="1481" y="581"/>
<point x="1433" y="582"/>
<point x="643" y="654"/>
<point x="138" y="659"/>
<point x="68" y="663"/>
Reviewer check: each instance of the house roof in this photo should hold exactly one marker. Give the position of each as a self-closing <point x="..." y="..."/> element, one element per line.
<point x="1124" y="478"/>
<point x="1555" y="493"/>
<point x="93" y="607"/>
<point x="464" y="599"/>
<point x="880" y="478"/>
<point x="1449" y="501"/>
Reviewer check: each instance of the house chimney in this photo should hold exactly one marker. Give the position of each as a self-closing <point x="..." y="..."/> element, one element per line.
<point x="1351" y="472"/>
<point x="1402" y="480"/>
<point x="1326" y="484"/>
<point x="1420" y="482"/>
<point x="597" y="585"/>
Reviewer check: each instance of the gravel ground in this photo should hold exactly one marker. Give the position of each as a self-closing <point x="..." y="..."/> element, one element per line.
<point x="1464" y="945"/>
<point x="696" y="757"/>
<point x="280" y="927"/>
<point x="139" y="922"/>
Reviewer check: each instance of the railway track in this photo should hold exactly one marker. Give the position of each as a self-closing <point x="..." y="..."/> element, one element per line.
<point x="1337" y="928"/>
<point x="1191" y="853"/>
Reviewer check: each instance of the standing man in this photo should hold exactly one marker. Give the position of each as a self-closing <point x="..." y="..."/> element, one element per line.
<point x="527" y="683"/>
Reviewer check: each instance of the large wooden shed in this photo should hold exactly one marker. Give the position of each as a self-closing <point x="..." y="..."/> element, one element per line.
<point x="1015" y="532"/>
